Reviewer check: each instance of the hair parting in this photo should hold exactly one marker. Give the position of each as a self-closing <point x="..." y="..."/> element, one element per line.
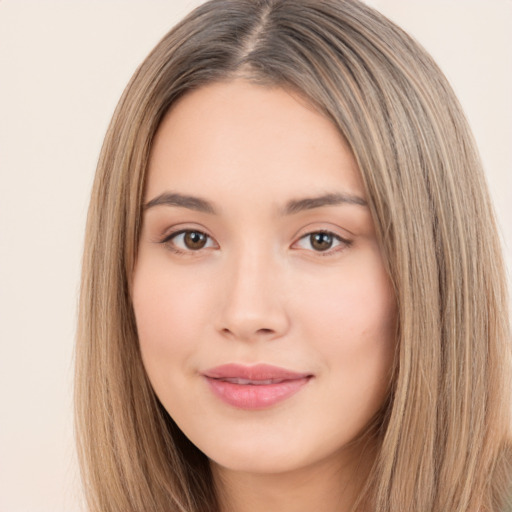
<point x="444" y="432"/>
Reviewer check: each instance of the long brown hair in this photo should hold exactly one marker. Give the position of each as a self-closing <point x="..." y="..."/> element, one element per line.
<point x="444" y="435"/>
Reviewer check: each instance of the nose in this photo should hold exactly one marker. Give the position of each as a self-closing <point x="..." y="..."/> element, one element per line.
<point x="252" y="302"/>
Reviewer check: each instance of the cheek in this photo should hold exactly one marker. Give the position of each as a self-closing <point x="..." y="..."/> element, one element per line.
<point x="353" y="318"/>
<point x="358" y="301"/>
<point x="172" y="311"/>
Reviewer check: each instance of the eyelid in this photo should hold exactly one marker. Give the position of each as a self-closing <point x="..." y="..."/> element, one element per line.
<point x="167" y="240"/>
<point x="174" y="233"/>
<point x="344" y="243"/>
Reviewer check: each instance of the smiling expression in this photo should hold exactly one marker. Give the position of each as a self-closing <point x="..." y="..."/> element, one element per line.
<point x="265" y="315"/>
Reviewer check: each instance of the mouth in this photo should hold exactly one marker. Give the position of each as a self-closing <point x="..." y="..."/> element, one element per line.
<point x="254" y="387"/>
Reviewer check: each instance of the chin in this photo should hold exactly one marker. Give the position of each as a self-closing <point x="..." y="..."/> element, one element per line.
<point x="268" y="455"/>
<point x="256" y="462"/>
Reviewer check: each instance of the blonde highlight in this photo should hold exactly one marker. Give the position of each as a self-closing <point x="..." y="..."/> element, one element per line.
<point x="444" y="432"/>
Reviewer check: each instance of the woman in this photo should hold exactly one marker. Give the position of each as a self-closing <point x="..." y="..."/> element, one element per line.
<point x="293" y="295"/>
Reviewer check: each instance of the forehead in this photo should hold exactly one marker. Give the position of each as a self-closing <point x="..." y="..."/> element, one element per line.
<point x="230" y="136"/>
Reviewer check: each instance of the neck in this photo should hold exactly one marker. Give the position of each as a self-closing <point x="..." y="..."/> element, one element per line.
<point x="331" y="485"/>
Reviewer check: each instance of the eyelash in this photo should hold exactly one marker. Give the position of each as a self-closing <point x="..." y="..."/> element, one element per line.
<point x="343" y="243"/>
<point x="168" y="241"/>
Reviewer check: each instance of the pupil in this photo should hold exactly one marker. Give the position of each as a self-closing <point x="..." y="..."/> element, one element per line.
<point x="321" y="241"/>
<point x="195" y="240"/>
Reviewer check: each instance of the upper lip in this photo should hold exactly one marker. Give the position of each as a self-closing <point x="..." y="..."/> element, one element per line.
<point x="254" y="373"/>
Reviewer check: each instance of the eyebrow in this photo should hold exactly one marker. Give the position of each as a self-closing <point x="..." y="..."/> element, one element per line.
<point x="184" y="201"/>
<point x="292" y="207"/>
<point x="309" y="203"/>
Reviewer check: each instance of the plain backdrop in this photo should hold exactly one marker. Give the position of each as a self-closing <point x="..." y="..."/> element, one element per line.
<point x="63" y="66"/>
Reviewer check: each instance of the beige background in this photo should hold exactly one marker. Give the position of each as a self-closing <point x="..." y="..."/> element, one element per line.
<point x="63" y="65"/>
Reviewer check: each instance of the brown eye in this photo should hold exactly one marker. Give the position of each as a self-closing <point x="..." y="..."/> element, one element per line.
<point x="324" y="242"/>
<point x="194" y="240"/>
<point x="321" y="241"/>
<point x="189" y="240"/>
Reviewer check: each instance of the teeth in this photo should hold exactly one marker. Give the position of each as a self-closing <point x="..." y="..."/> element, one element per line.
<point x="245" y="382"/>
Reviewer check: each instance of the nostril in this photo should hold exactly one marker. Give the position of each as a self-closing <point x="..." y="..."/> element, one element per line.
<point x="263" y="331"/>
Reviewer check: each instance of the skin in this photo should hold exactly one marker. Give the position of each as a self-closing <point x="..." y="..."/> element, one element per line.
<point x="260" y="291"/>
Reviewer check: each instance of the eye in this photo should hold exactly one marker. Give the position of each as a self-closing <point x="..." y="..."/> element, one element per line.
<point x="322" y="241"/>
<point x="188" y="240"/>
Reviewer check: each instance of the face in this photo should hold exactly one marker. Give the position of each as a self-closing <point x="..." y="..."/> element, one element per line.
<point x="265" y="316"/>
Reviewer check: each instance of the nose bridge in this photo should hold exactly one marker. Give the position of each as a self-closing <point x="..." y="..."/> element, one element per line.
<point x="253" y="305"/>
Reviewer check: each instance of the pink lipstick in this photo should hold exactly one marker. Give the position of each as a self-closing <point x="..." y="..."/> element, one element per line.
<point x="254" y="387"/>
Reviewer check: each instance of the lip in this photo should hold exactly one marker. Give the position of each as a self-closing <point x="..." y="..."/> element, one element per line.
<point x="254" y="387"/>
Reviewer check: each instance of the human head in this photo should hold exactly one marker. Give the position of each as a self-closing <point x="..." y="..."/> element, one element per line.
<point x="423" y="182"/>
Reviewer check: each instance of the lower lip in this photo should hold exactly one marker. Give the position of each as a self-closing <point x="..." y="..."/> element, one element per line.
<point x="253" y="397"/>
